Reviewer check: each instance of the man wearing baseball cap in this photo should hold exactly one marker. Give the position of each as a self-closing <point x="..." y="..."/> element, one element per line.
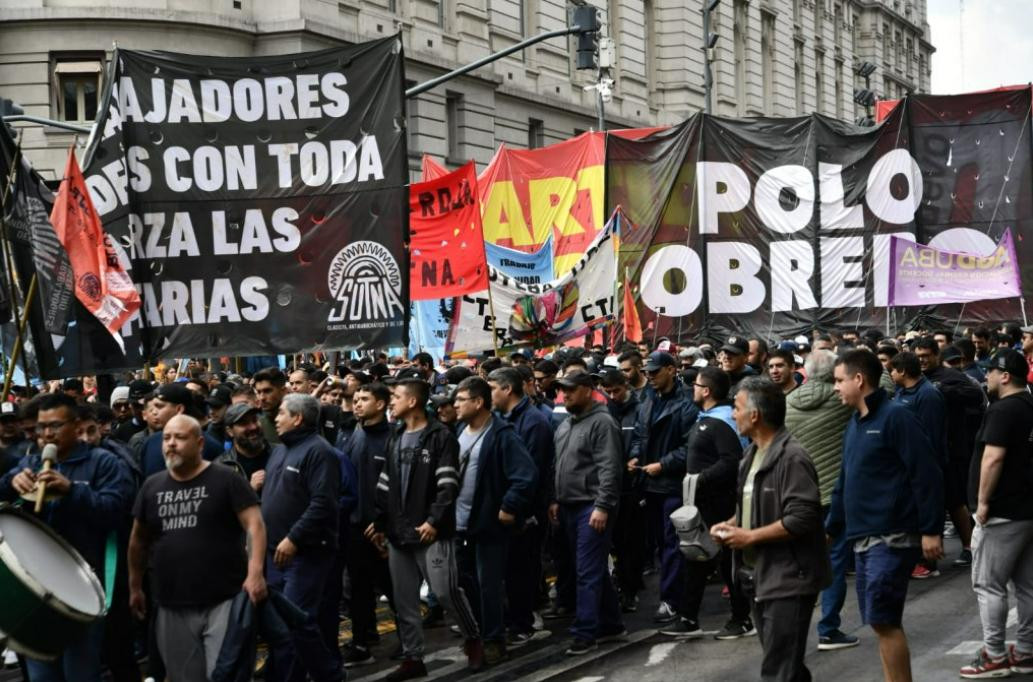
<point x="137" y="396"/>
<point x="168" y="401"/>
<point x="664" y="419"/>
<point x="249" y="452"/>
<point x="732" y="358"/>
<point x="1000" y="480"/>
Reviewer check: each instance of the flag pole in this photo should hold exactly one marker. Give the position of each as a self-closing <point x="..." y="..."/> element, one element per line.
<point x="491" y="311"/>
<point x="1022" y="301"/>
<point x="19" y="340"/>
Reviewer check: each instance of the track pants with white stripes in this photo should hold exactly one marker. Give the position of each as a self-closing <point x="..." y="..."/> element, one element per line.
<point x="435" y="563"/>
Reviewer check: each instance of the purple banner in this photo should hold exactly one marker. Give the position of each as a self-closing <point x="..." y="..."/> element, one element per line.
<point x="924" y="275"/>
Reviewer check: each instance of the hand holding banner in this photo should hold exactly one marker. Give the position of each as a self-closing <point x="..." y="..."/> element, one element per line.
<point x="923" y="275"/>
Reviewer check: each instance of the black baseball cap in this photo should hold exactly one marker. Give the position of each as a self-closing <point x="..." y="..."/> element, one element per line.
<point x="237" y="412"/>
<point x="1010" y="361"/>
<point x="951" y="353"/>
<point x="140" y="389"/>
<point x="177" y="394"/>
<point x="736" y="345"/>
<point x="8" y="411"/>
<point x="658" y="359"/>
<point x="612" y="377"/>
<point x="220" y="396"/>
<point x="576" y="378"/>
<point x="72" y="384"/>
<point x="408" y="374"/>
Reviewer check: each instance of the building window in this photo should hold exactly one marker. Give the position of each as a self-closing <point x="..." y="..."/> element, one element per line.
<point x="453" y="126"/>
<point x="77" y="88"/>
<point x="798" y="77"/>
<point x="839" y="88"/>
<point x="909" y="55"/>
<point x="855" y="33"/>
<point x="886" y="35"/>
<point x="535" y="133"/>
<point x="767" y="55"/>
<point x="837" y="20"/>
<point x="819" y="81"/>
<point x="739" y="33"/>
<point x="796" y="13"/>
<point x="898" y="45"/>
<point x="650" y="52"/>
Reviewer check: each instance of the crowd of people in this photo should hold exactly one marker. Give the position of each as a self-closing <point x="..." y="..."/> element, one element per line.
<point x="500" y="493"/>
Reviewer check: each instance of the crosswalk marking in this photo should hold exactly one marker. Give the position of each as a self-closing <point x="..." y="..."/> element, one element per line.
<point x="595" y="678"/>
<point x="659" y="653"/>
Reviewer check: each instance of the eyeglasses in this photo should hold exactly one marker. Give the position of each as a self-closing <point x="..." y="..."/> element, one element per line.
<point x="43" y="427"/>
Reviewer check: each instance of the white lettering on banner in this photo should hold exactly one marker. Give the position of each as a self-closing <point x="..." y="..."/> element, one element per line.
<point x="275" y="98"/>
<point x="792" y="264"/>
<point x="879" y="197"/>
<point x="171" y="302"/>
<point x="211" y="168"/>
<point x="768" y="199"/>
<point x="723" y="188"/>
<point x="686" y="263"/>
<point x="342" y="162"/>
<point x="148" y="237"/>
<point x="842" y="272"/>
<point x="108" y="189"/>
<point x="732" y="281"/>
<point x="834" y="215"/>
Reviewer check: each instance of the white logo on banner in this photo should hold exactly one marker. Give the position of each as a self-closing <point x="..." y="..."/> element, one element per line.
<point x="366" y="285"/>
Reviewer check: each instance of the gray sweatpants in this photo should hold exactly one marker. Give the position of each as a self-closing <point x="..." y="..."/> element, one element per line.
<point x="435" y="563"/>
<point x="190" y="639"/>
<point x="1003" y="552"/>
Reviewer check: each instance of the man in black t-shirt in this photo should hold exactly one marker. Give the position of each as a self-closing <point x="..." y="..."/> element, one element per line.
<point x="1000" y="482"/>
<point x="189" y="511"/>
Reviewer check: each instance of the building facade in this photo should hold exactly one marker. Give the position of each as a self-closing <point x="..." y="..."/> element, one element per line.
<point x="772" y="58"/>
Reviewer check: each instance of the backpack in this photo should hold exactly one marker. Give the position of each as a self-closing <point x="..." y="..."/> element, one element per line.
<point x="694" y="539"/>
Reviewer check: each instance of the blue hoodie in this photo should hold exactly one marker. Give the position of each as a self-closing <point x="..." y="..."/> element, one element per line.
<point x="724" y="413"/>
<point x="889" y="481"/>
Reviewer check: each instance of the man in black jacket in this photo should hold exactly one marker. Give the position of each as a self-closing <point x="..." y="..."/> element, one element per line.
<point x="658" y="450"/>
<point x="965" y="403"/>
<point x="497" y="481"/>
<point x="629" y="544"/>
<point x="300" y="509"/>
<point x="780" y="557"/>
<point x="524" y="567"/>
<point x="713" y="452"/>
<point x="367" y="563"/>
<point x="416" y="496"/>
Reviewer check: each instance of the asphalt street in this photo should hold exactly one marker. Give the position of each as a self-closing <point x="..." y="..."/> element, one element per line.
<point x="941" y="620"/>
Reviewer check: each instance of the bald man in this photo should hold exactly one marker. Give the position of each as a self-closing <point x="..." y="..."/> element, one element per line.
<point x="190" y="525"/>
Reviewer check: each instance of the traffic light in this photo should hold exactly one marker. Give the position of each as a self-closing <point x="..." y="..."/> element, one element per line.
<point x="586" y="18"/>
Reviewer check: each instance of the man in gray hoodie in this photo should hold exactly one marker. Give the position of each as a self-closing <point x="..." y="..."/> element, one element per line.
<point x="585" y="498"/>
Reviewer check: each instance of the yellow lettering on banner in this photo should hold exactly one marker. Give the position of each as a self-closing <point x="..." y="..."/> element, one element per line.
<point x="502" y="216"/>
<point x="909" y="257"/>
<point x="926" y="258"/>
<point x="967" y="262"/>
<point x="551" y="201"/>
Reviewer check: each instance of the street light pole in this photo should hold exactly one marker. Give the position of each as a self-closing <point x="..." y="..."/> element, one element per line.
<point x="709" y="41"/>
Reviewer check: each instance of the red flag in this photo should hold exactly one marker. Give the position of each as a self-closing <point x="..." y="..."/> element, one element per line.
<point x="101" y="283"/>
<point x="632" y="324"/>
<point x="447" y="242"/>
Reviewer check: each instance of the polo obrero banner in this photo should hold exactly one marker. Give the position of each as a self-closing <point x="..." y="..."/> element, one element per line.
<point x="260" y="204"/>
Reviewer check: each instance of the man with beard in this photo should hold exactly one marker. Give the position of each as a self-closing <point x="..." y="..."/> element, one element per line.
<point x="270" y="387"/>
<point x="183" y="543"/>
<point x="732" y="358"/>
<point x="367" y="563"/>
<point x="757" y="357"/>
<point x="587" y="492"/>
<point x="249" y="452"/>
<point x="630" y="363"/>
<point x="658" y="450"/>
<point x="545" y="372"/>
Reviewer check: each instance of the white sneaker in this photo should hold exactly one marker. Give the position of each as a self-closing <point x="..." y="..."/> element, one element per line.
<point x="539" y="624"/>
<point x="10" y="658"/>
<point x="665" y="613"/>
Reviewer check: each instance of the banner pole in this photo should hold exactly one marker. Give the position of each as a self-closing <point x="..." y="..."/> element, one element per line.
<point x="491" y="310"/>
<point x="19" y="340"/>
<point x="1022" y="301"/>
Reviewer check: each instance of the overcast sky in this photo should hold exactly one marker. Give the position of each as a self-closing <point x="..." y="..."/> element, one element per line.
<point x="996" y="44"/>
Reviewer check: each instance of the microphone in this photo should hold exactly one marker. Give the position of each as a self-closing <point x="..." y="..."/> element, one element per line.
<point x="49" y="457"/>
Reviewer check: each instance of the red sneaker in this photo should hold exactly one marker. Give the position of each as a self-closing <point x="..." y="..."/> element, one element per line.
<point x="984" y="668"/>
<point x="921" y="573"/>
<point x="1021" y="664"/>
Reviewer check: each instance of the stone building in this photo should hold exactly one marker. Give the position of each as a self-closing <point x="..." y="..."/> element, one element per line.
<point x="773" y="58"/>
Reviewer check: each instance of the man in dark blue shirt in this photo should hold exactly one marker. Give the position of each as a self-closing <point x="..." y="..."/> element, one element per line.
<point x="888" y="501"/>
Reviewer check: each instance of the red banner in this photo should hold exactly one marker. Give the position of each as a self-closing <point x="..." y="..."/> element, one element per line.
<point x="101" y="282"/>
<point x="447" y="242"/>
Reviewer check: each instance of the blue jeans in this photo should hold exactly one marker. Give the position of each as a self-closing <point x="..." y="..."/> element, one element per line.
<point x="833" y="596"/>
<point x="482" y="572"/>
<point x="302" y="581"/>
<point x="659" y="507"/>
<point x="598" y="611"/>
<point x="80" y="661"/>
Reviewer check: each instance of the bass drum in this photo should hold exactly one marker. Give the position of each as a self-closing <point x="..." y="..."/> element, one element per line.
<point x="50" y="594"/>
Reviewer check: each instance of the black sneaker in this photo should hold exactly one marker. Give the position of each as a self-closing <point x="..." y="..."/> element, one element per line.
<point x="629" y="603"/>
<point x="515" y="640"/>
<point x="964" y="559"/>
<point x="356" y="655"/>
<point x="735" y="629"/>
<point x="580" y="647"/>
<point x="683" y="629"/>
<point x="557" y="612"/>
<point x="837" y="640"/>
<point x="615" y="636"/>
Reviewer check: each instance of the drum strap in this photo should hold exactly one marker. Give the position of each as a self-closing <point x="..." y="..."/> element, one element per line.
<point x="110" y="566"/>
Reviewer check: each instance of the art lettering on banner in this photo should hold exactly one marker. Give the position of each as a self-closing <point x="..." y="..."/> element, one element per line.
<point x="540" y="314"/>
<point x="526" y="268"/>
<point x="776" y="227"/>
<point x="923" y="275"/>
<point x="447" y="243"/>
<point x="258" y="203"/>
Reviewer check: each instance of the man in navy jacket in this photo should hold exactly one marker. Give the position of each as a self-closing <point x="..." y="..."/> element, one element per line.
<point x="300" y="510"/>
<point x="888" y="501"/>
<point x="91" y="485"/>
<point x="497" y="484"/>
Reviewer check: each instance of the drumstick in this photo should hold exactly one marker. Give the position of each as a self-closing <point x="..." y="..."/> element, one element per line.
<point x="49" y="456"/>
